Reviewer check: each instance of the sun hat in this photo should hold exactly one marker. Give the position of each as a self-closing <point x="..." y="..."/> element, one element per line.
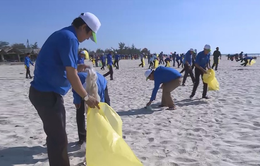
<point x="93" y="23"/>
<point x="147" y="73"/>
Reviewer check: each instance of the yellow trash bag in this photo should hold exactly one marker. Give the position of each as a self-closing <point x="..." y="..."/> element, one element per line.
<point x="168" y="64"/>
<point x="105" y="145"/>
<point x="211" y="80"/>
<point x="251" y="63"/>
<point x="156" y="63"/>
<point x="143" y="63"/>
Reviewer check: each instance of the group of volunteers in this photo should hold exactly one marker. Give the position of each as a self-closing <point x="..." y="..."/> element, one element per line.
<point x="60" y="67"/>
<point x="170" y="78"/>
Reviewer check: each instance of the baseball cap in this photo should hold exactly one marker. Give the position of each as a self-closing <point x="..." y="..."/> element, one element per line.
<point x="191" y="50"/>
<point x="147" y="73"/>
<point x="207" y="47"/>
<point x="93" y="22"/>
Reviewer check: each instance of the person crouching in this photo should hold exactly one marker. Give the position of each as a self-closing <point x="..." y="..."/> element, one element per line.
<point x="169" y="78"/>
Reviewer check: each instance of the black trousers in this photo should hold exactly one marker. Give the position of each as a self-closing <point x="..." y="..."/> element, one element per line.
<point x="116" y="64"/>
<point x="28" y="72"/>
<point x="198" y="74"/>
<point x="173" y="62"/>
<point x="110" y="72"/>
<point x="188" y="70"/>
<point x="179" y="63"/>
<point x="150" y="65"/>
<point x="103" y="66"/>
<point x="80" y="117"/>
<point x="141" y="64"/>
<point x="215" y="64"/>
<point x="50" y="107"/>
<point x="161" y="61"/>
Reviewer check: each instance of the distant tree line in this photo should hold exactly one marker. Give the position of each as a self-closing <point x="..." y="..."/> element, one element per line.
<point x="122" y="48"/>
<point x="4" y="44"/>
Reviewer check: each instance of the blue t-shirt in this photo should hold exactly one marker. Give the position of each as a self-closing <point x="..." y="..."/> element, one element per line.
<point x="117" y="57"/>
<point x="81" y="60"/>
<point x="27" y="61"/>
<point x="167" y="60"/>
<point x="188" y="58"/>
<point x="163" y="75"/>
<point x="202" y="59"/>
<point x="248" y="57"/>
<point x="109" y="59"/>
<point x="60" y="50"/>
<point x="101" y="83"/>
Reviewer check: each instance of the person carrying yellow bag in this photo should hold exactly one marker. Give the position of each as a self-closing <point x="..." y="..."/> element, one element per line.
<point x="105" y="145"/>
<point x="201" y="64"/>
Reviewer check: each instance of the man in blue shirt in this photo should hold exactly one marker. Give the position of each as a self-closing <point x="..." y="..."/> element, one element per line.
<point x="80" y="103"/>
<point x="188" y="66"/>
<point x="110" y="65"/>
<point x="27" y="62"/>
<point x="169" y="78"/>
<point x="81" y="58"/>
<point x="56" y="70"/>
<point x="116" y="60"/>
<point x="201" y="65"/>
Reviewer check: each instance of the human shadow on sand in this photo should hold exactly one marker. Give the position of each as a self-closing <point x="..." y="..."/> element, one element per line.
<point x="25" y="155"/>
<point x="140" y="111"/>
<point x="20" y="155"/>
<point x="190" y="102"/>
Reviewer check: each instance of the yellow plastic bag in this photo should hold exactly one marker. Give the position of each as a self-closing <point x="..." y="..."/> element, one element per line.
<point x="156" y="63"/>
<point x="251" y="63"/>
<point x="168" y="64"/>
<point x="211" y="80"/>
<point x="143" y="62"/>
<point x="105" y="145"/>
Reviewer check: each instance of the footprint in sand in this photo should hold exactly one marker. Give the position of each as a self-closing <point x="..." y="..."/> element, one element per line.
<point x="150" y="139"/>
<point x="257" y="124"/>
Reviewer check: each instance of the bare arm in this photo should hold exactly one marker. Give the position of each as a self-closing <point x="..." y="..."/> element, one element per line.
<point x="73" y="78"/>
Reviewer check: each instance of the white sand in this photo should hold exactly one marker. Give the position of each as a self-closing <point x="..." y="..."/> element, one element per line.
<point x="224" y="130"/>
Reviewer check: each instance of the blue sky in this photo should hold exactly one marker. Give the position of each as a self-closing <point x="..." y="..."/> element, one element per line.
<point x="159" y="25"/>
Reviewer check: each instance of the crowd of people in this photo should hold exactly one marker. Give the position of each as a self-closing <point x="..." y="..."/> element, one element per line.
<point x="60" y="67"/>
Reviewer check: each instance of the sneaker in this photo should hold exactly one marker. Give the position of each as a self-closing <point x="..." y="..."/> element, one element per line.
<point x="205" y="97"/>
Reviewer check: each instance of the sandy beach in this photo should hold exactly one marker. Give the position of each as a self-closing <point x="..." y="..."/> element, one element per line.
<point x="221" y="131"/>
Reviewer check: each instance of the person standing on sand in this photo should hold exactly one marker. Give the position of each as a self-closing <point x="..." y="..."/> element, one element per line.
<point x="188" y="66"/>
<point x="103" y="61"/>
<point x="116" y="62"/>
<point x="216" y="56"/>
<point x="201" y="64"/>
<point x="101" y="83"/>
<point x="55" y="72"/>
<point x="169" y="78"/>
<point x="27" y="62"/>
<point x="110" y="65"/>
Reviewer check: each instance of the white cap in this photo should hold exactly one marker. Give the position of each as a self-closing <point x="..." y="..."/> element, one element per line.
<point x="147" y="73"/>
<point x="191" y="49"/>
<point x="93" y="23"/>
<point x="207" y="47"/>
<point x="82" y="52"/>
